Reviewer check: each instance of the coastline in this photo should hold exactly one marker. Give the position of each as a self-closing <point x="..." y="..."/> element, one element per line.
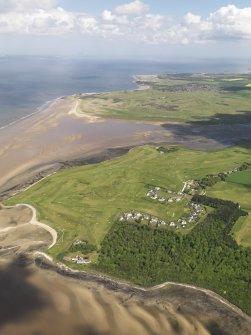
<point x="57" y="133"/>
<point x="45" y="105"/>
<point x="91" y="156"/>
<point x="40" y="109"/>
<point x="118" y="284"/>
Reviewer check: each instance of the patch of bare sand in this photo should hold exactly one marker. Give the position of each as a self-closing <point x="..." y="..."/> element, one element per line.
<point x="90" y="118"/>
<point x="16" y="232"/>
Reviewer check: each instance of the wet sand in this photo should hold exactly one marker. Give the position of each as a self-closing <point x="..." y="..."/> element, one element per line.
<point x="42" y="140"/>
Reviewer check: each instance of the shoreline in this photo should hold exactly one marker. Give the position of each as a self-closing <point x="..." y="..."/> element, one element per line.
<point x="39" y="110"/>
<point x="49" y="103"/>
<point x="44" y="261"/>
<point x="117" y="284"/>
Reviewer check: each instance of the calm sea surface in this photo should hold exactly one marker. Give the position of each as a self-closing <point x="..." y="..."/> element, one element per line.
<point x="27" y="83"/>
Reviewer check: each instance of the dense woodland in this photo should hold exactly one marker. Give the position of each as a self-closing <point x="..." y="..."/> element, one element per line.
<point x="207" y="256"/>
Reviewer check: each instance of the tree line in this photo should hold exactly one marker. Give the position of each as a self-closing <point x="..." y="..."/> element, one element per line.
<point x="208" y="256"/>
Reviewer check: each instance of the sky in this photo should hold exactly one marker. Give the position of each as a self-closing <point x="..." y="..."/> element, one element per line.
<point x="121" y="29"/>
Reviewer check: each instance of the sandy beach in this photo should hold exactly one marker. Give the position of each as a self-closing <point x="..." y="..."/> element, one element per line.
<point x="55" y="134"/>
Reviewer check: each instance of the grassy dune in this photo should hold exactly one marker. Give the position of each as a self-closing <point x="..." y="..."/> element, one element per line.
<point x="177" y="98"/>
<point x="83" y="202"/>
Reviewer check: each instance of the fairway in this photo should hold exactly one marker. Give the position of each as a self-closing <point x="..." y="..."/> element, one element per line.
<point x="84" y="202"/>
<point x="242" y="177"/>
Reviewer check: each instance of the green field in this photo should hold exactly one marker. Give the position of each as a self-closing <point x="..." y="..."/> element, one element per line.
<point x="242" y="177"/>
<point x="241" y="194"/>
<point x="84" y="202"/>
<point x="177" y="98"/>
<point x="242" y="231"/>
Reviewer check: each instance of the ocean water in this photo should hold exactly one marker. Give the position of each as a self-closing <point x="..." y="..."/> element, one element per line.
<point x="28" y="83"/>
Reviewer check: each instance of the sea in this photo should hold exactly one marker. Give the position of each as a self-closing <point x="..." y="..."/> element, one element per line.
<point x="28" y="84"/>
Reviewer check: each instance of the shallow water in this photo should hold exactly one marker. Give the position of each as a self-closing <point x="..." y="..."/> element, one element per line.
<point x="26" y="83"/>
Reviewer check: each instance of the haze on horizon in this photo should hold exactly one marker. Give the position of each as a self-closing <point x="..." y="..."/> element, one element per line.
<point x="137" y="29"/>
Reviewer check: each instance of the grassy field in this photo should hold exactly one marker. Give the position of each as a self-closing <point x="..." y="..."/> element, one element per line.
<point x="83" y="202"/>
<point x="242" y="231"/>
<point x="177" y="98"/>
<point x="239" y="194"/>
<point x="242" y="177"/>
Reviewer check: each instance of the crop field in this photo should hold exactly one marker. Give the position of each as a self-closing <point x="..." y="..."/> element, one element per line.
<point x="242" y="177"/>
<point x="84" y="202"/>
<point x="177" y="98"/>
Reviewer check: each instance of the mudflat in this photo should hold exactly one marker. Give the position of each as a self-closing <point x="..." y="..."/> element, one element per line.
<point x="40" y="141"/>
